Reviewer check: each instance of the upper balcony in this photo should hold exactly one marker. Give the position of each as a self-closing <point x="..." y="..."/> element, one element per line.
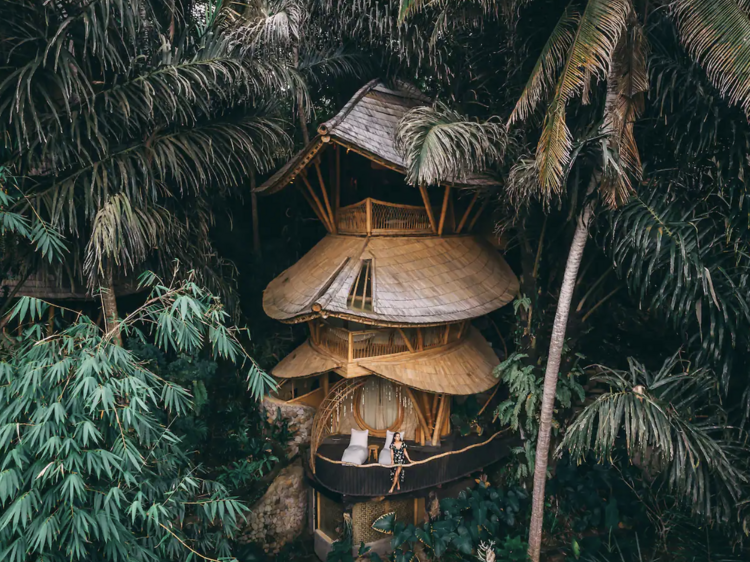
<point x="379" y="218"/>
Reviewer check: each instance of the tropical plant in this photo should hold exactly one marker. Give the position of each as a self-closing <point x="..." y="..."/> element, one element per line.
<point x="91" y="469"/>
<point x="673" y="422"/>
<point x="122" y="120"/>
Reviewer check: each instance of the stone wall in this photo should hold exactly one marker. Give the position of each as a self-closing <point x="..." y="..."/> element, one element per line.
<point x="300" y="418"/>
<point x="281" y="514"/>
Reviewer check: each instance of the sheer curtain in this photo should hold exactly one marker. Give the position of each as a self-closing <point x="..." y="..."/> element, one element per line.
<point x="380" y="403"/>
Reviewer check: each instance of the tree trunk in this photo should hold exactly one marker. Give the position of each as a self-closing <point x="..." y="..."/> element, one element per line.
<point x="550" y="377"/>
<point x="109" y="305"/>
<point x="256" y="224"/>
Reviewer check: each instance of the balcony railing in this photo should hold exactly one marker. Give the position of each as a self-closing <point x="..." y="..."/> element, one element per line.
<point x="431" y="466"/>
<point x="364" y="344"/>
<point x="378" y="218"/>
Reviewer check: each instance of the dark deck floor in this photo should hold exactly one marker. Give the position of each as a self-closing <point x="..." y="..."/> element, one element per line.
<point x="375" y="481"/>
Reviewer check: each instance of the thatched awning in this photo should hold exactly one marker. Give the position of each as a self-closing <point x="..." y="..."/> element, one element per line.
<point x="461" y="368"/>
<point x="367" y="125"/>
<point x="415" y="280"/>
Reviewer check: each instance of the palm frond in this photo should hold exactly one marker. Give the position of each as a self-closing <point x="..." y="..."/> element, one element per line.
<point x="318" y="66"/>
<point x="274" y="24"/>
<point x="626" y="84"/>
<point x="672" y="420"/>
<point x="550" y="59"/>
<point x="715" y="33"/>
<point x="679" y="260"/>
<point x="440" y="144"/>
<point x="590" y="56"/>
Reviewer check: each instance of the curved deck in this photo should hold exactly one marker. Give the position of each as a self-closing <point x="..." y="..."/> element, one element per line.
<point x="456" y="458"/>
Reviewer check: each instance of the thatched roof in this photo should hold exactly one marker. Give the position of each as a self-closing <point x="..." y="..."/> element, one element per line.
<point x="367" y="125"/>
<point x="415" y="280"/>
<point x="461" y="368"/>
<point x="46" y="286"/>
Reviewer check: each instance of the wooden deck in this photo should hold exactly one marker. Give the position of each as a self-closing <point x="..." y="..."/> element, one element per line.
<point x="469" y="454"/>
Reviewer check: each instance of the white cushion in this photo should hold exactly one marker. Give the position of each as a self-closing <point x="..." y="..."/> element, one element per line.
<point x="388" y="438"/>
<point x="386" y="457"/>
<point x="354" y="454"/>
<point x="359" y="438"/>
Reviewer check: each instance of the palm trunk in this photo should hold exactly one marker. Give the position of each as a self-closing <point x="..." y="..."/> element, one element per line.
<point x="550" y="378"/>
<point x="109" y="305"/>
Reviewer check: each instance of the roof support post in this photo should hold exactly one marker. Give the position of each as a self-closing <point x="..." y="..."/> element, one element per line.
<point x="368" y="204"/>
<point x="325" y="196"/>
<point x="428" y="207"/>
<point x="440" y="420"/>
<point x="321" y="212"/>
<point x="409" y="346"/>
<point x="350" y="353"/>
<point x="479" y="212"/>
<point x="420" y="415"/>
<point x="444" y="210"/>
<point x="467" y="213"/>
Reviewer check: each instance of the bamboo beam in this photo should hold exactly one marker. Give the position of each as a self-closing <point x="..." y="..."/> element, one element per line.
<point x="337" y="198"/>
<point x="435" y="398"/>
<point x="420" y="340"/>
<point x="447" y="333"/>
<point x="318" y="204"/>
<point x="428" y="207"/>
<point x="351" y="348"/>
<point x="309" y="201"/>
<point x="444" y="209"/>
<point x="428" y="409"/>
<point x="479" y="212"/>
<point x="467" y="213"/>
<point x="325" y="196"/>
<point x="420" y="415"/>
<point x="368" y="205"/>
<point x="409" y="346"/>
<point x="439" y="423"/>
<point x="313" y="333"/>
<point x="326" y="384"/>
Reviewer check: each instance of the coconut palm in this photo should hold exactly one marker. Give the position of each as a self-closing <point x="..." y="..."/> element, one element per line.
<point x="122" y="120"/>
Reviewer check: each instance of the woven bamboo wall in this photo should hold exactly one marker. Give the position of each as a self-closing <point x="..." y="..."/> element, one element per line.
<point x="364" y="514"/>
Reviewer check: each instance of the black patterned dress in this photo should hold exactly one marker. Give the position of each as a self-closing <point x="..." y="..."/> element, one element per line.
<point x="399" y="457"/>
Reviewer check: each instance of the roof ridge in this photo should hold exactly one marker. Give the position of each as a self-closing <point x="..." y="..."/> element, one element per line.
<point x="325" y="128"/>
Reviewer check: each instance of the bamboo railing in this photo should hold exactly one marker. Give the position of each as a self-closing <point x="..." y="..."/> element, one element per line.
<point x="373" y="479"/>
<point x="377" y="218"/>
<point x="363" y="344"/>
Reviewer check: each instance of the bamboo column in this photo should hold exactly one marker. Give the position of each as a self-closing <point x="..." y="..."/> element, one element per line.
<point x="428" y="207"/>
<point x="467" y="213"/>
<point x="440" y="421"/>
<point x="444" y="210"/>
<point x="420" y="416"/>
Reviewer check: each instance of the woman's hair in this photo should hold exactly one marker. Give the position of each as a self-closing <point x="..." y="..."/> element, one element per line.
<point x="397" y="433"/>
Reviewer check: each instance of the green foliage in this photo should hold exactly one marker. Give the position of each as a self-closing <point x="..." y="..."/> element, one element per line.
<point x="466" y="523"/>
<point x="522" y="407"/>
<point x="91" y="469"/>
<point x="673" y="422"/>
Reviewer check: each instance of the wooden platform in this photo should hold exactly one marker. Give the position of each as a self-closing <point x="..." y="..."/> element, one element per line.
<point x="470" y="454"/>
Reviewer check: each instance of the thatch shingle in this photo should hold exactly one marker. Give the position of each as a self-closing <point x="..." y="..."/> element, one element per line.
<point x="415" y="280"/>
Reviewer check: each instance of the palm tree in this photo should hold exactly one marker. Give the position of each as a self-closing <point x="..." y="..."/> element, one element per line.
<point x="122" y="120"/>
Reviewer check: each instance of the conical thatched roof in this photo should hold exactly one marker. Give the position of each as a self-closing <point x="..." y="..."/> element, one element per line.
<point x="461" y="368"/>
<point x="367" y="125"/>
<point x="415" y="280"/>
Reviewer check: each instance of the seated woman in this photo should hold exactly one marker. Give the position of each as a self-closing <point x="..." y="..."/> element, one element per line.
<point x="398" y="454"/>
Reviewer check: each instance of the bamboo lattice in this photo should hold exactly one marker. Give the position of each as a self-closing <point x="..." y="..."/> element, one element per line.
<point x="353" y="219"/>
<point x="326" y="417"/>
<point x="373" y="217"/>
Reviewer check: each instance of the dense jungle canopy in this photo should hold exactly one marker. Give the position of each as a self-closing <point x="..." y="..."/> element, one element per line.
<point x="133" y="134"/>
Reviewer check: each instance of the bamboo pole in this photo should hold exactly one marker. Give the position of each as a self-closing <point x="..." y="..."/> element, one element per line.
<point x="444" y="210"/>
<point x="409" y="346"/>
<point x="351" y="348"/>
<point x="447" y="333"/>
<point x="51" y="321"/>
<point x="318" y="204"/>
<point x="326" y="384"/>
<point x="435" y="399"/>
<point x="312" y="205"/>
<point x="467" y="213"/>
<point x="428" y="207"/>
<point x="420" y="340"/>
<point x="368" y="204"/>
<point x="427" y="408"/>
<point x="325" y="197"/>
<point x="420" y="415"/>
<point x="439" y="423"/>
<point x="479" y="212"/>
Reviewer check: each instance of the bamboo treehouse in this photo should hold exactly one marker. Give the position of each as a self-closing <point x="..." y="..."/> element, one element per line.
<point x="389" y="296"/>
